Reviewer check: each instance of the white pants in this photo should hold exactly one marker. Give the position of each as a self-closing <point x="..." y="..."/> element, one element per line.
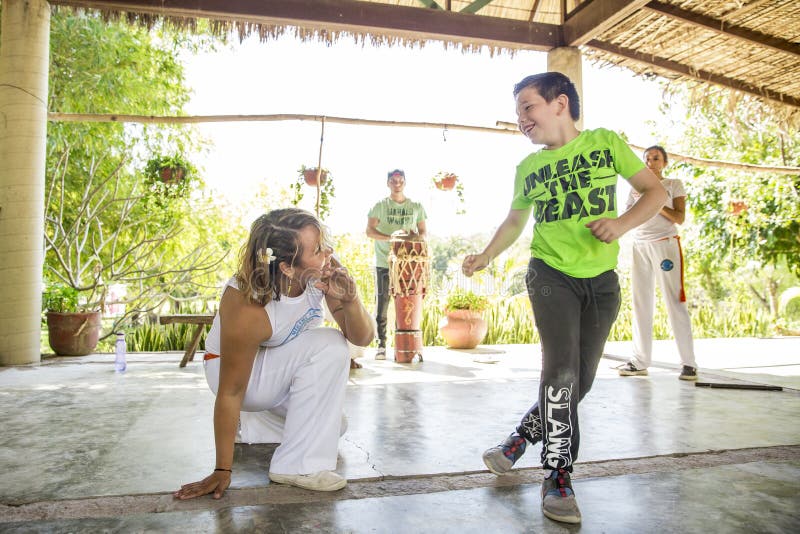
<point x="295" y="397"/>
<point x="662" y="261"/>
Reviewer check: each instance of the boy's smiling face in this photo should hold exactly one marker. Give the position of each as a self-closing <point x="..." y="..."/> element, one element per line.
<point x="536" y="117"/>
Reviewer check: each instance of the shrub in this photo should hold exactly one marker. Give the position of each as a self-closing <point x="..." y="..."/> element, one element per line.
<point x="460" y="299"/>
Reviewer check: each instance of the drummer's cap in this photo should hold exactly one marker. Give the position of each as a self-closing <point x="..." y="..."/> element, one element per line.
<point x="396" y="172"/>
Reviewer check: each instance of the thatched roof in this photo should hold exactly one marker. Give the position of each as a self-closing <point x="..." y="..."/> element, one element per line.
<point x="752" y="46"/>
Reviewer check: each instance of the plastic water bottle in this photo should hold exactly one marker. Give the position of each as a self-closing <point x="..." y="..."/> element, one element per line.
<point x="121" y="348"/>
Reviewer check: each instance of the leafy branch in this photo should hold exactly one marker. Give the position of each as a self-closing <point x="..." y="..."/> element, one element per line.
<point x="110" y="231"/>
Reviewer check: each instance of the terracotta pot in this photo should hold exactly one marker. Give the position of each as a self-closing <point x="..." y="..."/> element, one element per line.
<point x="73" y="334"/>
<point x="447" y="183"/>
<point x="737" y="207"/>
<point x="463" y="329"/>
<point x="310" y="176"/>
<point x="171" y="175"/>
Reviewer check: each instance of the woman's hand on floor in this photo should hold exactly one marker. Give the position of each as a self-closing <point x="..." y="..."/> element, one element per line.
<point x="216" y="482"/>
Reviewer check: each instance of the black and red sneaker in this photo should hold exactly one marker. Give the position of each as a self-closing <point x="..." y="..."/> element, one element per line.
<point x="501" y="459"/>
<point x="558" y="499"/>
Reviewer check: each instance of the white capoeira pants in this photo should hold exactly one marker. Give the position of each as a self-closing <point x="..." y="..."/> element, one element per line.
<point x="660" y="261"/>
<point x="295" y="397"/>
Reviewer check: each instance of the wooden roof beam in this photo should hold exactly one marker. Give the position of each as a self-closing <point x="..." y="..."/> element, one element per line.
<point x="591" y="19"/>
<point x="689" y="72"/>
<point x="534" y="8"/>
<point x="350" y="15"/>
<point x="724" y="28"/>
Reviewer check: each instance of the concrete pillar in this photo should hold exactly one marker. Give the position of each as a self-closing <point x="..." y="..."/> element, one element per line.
<point x="567" y="60"/>
<point x="24" y="58"/>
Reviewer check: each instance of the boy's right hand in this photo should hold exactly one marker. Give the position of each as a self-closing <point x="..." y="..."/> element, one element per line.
<point x="606" y="230"/>
<point x="474" y="262"/>
<point x="218" y="482"/>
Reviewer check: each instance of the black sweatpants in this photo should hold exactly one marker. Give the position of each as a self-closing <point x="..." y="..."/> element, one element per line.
<point x="382" y="306"/>
<point x="573" y="317"/>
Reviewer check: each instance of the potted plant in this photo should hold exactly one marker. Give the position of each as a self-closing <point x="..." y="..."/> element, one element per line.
<point x="463" y="327"/>
<point x="72" y="330"/>
<point x="308" y="176"/>
<point x="447" y="181"/>
<point x="169" y="169"/>
<point x="169" y="175"/>
<point x="737" y="206"/>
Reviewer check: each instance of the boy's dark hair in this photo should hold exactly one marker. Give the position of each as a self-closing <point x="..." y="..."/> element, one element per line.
<point x="550" y="85"/>
<point x="660" y="149"/>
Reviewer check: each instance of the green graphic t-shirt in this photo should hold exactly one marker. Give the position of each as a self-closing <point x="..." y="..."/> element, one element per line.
<point x="392" y="217"/>
<point x="569" y="187"/>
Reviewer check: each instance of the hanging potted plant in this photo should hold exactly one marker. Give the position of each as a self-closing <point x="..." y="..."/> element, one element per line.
<point x="72" y="329"/>
<point x="737" y="206"/>
<point x="307" y="176"/>
<point x="463" y="327"/>
<point x="171" y="169"/>
<point x="169" y="175"/>
<point x="447" y="181"/>
<point x="310" y="175"/>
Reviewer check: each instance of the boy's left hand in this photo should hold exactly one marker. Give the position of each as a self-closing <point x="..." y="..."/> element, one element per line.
<point x="606" y="230"/>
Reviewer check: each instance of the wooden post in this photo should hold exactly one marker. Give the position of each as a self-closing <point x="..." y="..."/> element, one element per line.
<point x="24" y="62"/>
<point x="567" y="60"/>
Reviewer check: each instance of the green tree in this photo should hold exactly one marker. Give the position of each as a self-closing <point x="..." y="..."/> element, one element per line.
<point x="743" y="223"/>
<point x="105" y="222"/>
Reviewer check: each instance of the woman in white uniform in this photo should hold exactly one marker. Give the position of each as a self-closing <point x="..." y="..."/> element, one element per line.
<point x="657" y="257"/>
<point x="277" y="375"/>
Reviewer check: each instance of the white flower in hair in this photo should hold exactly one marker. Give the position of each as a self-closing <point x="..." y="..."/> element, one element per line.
<point x="266" y="256"/>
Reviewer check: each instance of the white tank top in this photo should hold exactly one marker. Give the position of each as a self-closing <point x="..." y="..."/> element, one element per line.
<point x="290" y="317"/>
<point x="659" y="226"/>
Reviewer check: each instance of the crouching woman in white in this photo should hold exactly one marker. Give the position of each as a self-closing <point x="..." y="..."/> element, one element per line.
<point x="267" y="353"/>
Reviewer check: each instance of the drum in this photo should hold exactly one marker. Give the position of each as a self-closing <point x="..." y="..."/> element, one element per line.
<point x="409" y="266"/>
<point x="409" y="273"/>
<point x="407" y="344"/>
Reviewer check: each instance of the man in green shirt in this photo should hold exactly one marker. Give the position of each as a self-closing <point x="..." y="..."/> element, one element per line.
<point x="393" y="213"/>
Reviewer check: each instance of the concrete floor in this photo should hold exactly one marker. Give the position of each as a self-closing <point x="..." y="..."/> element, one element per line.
<point x="85" y="450"/>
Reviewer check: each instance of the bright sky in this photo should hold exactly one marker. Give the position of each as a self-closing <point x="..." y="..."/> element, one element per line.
<point x="424" y="85"/>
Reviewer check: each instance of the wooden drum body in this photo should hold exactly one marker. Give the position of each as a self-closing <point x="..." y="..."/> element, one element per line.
<point x="409" y="272"/>
<point x="409" y="267"/>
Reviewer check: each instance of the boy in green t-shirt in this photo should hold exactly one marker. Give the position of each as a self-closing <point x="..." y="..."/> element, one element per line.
<point x="571" y="187"/>
<point x="393" y="213"/>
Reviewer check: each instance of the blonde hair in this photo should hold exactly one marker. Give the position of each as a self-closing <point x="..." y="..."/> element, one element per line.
<point x="259" y="276"/>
